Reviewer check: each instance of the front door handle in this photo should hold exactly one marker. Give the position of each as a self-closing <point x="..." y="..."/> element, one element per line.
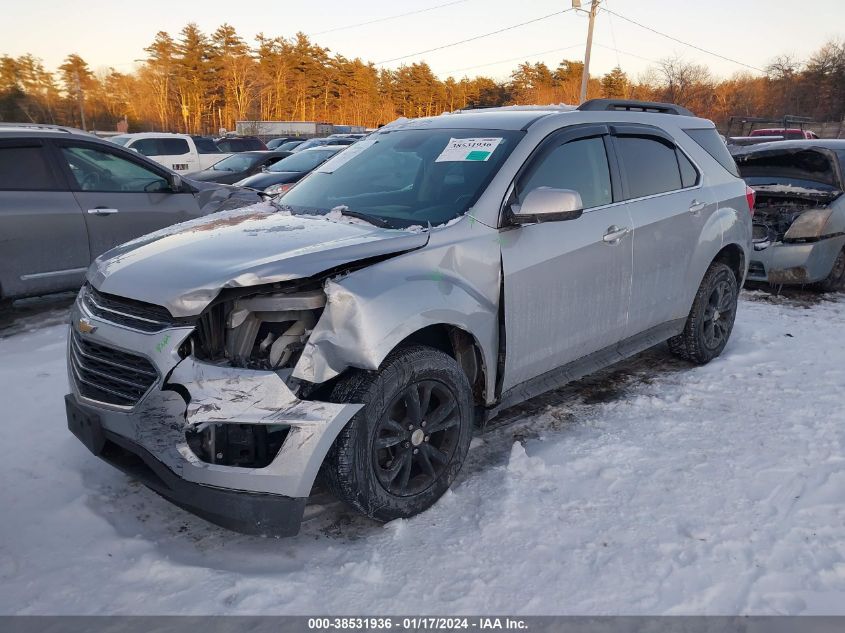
<point x="102" y="211"/>
<point x="696" y="207"/>
<point x="615" y="234"/>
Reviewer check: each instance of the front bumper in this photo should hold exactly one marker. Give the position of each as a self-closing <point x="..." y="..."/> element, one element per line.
<point x="242" y="511"/>
<point x="795" y="263"/>
<point x="148" y="439"/>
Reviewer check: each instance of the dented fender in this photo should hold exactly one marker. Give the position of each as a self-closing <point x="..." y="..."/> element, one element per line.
<point x="454" y="281"/>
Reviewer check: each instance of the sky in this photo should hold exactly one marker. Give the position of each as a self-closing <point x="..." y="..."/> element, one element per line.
<point x="752" y="32"/>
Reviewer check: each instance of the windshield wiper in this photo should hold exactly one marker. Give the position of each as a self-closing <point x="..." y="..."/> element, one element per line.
<point x="372" y="219"/>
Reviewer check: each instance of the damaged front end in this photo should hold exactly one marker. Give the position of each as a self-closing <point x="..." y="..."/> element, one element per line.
<point x="219" y="427"/>
<point x="188" y="386"/>
<point x="799" y="227"/>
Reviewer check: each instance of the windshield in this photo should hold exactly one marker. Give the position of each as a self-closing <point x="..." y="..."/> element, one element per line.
<point x="120" y="139"/>
<point x="303" y="161"/>
<point x="285" y="147"/>
<point x="237" y="162"/>
<point x="407" y="177"/>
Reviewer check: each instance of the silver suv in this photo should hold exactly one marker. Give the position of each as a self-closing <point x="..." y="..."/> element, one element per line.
<point x="360" y="327"/>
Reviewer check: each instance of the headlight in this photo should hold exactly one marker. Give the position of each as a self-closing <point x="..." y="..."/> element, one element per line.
<point x="277" y="189"/>
<point x="808" y="225"/>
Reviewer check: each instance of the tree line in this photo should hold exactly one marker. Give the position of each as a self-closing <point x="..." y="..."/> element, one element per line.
<point x="198" y="83"/>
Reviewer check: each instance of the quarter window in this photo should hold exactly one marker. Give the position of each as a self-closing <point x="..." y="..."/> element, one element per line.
<point x="205" y="145"/>
<point x="25" y="168"/>
<point x="689" y="174"/>
<point x="580" y="165"/>
<point x="96" y="170"/>
<point x="650" y="165"/>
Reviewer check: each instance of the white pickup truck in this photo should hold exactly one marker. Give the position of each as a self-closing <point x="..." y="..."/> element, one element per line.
<point x="180" y="152"/>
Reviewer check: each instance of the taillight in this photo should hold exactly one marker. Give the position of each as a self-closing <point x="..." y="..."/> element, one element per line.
<point x="750" y="196"/>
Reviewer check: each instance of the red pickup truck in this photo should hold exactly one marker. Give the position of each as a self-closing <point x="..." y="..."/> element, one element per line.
<point x="790" y="134"/>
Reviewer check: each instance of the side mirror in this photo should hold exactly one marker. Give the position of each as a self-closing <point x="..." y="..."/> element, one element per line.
<point x="175" y="181"/>
<point x="546" y="204"/>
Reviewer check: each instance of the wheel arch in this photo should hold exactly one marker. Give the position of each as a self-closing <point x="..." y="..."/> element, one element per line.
<point x="461" y="346"/>
<point x="734" y="257"/>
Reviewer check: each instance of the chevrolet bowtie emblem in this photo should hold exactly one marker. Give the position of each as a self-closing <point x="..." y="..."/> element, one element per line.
<point x="85" y="326"/>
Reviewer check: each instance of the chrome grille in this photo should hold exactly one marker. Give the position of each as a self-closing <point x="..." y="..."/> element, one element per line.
<point x="137" y="315"/>
<point x="108" y="375"/>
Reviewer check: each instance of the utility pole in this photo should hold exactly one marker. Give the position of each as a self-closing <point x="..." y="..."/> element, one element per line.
<point x="80" y="99"/>
<point x="585" y="77"/>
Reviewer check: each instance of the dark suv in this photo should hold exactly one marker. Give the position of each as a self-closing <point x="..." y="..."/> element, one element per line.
<point x="67" y="197"/>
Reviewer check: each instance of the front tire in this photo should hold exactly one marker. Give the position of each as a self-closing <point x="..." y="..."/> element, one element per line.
<point x="836" y="279"/>
<point x="711" y="319"/>
<point x="401" y="452"/>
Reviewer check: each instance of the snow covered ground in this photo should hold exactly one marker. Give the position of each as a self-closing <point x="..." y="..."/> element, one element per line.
<point x="653" y="488"/>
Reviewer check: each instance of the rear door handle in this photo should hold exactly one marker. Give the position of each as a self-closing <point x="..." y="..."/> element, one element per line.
<point x="102" y="211"/>
<point x="615" y="234"/>
<point x="696" y="207"/>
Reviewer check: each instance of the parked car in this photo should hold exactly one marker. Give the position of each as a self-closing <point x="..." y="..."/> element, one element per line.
<point x="67" y="197"/>
<point x="789" y="134"/>
<point x="284" y="174"/>
<point x="182" y="153"/>
<point x="234" y="144"/>
<point x="274" y="143"/>
<point x="290" y="145"/>
<point x="237" y="167"/>
<point x="320" y="142"/>
<point x="411" y="288"/>
<point x="799" y="221"/>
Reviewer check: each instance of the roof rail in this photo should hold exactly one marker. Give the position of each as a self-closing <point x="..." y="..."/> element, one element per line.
<point x="43" y="126"/>
<point x="636" y="106"/>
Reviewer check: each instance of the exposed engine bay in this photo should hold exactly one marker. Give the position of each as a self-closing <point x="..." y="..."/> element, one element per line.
<point x="775" y="213"/>
<point x="260" y="331"/>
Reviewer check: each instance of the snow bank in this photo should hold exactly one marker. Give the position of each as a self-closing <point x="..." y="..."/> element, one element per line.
<point x="653" y="488"/>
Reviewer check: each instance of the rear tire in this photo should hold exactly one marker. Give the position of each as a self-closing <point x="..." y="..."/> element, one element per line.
<point x="711" y="319"/>
<point x="401" y="452"/>
<point x="836" y="279"/>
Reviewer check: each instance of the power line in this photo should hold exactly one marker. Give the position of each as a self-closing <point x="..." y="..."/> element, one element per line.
<point x="613" y="38"/>
<point x="675" y="39"/>
<point x="513" y="59"/>
<point x="617" y="50"/>
<point x="389" y="17"/>
<point x="477" y="37"/>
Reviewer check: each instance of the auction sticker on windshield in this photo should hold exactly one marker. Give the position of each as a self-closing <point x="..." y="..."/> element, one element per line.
<point x="468" y="149"/>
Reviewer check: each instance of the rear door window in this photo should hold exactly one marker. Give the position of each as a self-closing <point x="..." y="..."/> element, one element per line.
<point x="580" y="165"/>
<point x="146" y="146"/>
<point x="25" y="166"/>
<point x="650" y="165"/>
<point x="172" y="146"/>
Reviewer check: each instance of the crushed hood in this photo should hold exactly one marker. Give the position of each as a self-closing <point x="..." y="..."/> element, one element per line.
<point x="184" y="267"/>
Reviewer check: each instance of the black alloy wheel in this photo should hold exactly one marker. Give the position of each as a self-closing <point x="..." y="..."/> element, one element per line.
<point x="719" y="314"/>
<point x="416" y="438"/>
